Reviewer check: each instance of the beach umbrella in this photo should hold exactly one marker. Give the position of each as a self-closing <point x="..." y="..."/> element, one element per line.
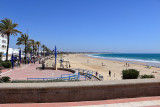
<point x="12" y="61"/>
<point x="20" y="55"/>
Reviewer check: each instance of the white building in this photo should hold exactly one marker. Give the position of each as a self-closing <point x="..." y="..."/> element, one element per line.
<point x="3" y="48"/>
<point x="3" y="43"/>
<point x="10" y="51"/>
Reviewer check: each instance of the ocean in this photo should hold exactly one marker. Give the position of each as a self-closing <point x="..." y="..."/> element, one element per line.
<point x="145" y="59"/>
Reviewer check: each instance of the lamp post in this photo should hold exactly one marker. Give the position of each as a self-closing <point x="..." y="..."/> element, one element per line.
<point x="55" y="52"/>
<point x="12" y="61"/>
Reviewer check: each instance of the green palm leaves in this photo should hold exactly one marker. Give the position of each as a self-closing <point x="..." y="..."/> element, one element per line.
<point x="23" y="41"/>
<point x="8" y="27"/>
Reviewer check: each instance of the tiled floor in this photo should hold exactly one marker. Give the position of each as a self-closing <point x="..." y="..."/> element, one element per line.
<point x="128" y="102"/>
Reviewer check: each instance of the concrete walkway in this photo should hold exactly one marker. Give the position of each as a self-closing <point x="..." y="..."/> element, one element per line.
<point x="128" y="102"/>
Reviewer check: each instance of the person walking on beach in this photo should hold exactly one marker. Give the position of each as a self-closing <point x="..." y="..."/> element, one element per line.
<point x="109" y="73"/>
<point x="128" y="65"/>
<point x="96" y="73"/>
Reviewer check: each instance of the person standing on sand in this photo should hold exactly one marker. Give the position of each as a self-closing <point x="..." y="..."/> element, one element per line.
<point x="109" y="73"/>
<point x="96" y="73"/>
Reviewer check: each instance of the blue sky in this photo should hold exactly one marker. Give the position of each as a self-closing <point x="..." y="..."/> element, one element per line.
<point x="88" y="25"/>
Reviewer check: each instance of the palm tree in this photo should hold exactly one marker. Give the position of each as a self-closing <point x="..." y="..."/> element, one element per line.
<point x="8" y="28"/>
<point x="38" y="44"/>
<point x="32" y="42"/>
<point x="48" y="51"/>
<point x="23" y="41"/>
<point x="35" y="48"/>
<point x="29" y="48"/>
<point x="44" y="47"/>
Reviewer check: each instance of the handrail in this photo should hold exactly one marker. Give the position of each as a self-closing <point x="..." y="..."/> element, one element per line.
<point x="93" y="73"/>
<point x="64" y="77"/>
<point x="86" y="74"/>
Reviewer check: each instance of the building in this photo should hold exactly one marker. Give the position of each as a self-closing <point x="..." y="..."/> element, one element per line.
<point x="3" y="43"/>
<point x="10" y="51"/>
<point x="3" y="48"/>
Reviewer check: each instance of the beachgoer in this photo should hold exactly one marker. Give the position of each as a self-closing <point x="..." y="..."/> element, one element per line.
<point x="18" y="63"/>
<point x="96" y="73"/>
<point x="102" y="63"/>
<point x="43" y="65"/>
<point x="109" y="73"/>
<point x="34" y="61"/>
<point x="61" y="60"/>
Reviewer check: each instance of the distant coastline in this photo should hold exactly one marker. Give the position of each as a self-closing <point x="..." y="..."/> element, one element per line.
<point x="143" y="59"/>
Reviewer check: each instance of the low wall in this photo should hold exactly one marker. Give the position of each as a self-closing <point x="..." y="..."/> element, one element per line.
<point x="77" y="91"/>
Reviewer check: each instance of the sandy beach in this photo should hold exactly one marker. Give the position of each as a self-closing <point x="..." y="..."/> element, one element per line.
<point x="116" y="67"/>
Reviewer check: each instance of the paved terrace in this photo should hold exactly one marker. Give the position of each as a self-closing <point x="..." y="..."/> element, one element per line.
<point x="29" y="71"/>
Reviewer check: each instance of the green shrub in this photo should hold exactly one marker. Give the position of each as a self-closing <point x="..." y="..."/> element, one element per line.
<point x="147" y="76"/>
<point x="5" y="79"/>
<point x="1" y="63"/>
<point x="130" y="74"/>
<point x="6" y="64"/>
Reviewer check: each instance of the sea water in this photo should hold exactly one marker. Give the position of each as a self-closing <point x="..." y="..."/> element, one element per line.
<point x="146" y="59"/>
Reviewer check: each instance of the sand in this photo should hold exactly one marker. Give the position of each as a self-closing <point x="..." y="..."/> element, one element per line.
<point x="116" y="67"/>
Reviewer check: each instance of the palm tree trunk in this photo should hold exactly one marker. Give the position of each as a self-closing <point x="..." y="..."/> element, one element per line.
<point x="33" y="50"/>
<point x="38" y="50"/>
<point x="7" y="47"/>
<point x="43" y="52"/>
<point x="25" y="54"/>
